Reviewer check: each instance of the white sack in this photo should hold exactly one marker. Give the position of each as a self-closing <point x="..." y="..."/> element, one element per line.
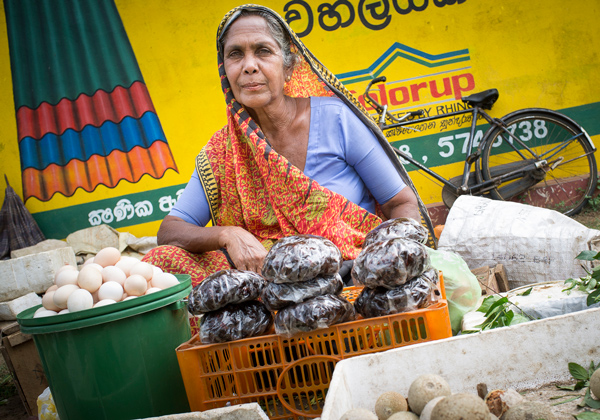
<point x="534" y="244"/>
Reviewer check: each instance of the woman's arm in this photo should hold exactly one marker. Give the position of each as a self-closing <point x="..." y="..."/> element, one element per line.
<point x="246" y="252"/>
<point x="403" y="204"/>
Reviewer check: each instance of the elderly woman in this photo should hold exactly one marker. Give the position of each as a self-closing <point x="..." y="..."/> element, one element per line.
<point x="298" y="155"/>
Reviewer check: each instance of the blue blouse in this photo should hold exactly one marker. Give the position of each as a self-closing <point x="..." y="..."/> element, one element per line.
<point x="343" y="155"/>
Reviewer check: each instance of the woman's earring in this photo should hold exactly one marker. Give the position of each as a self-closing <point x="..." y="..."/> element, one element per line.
<point x="287" y="79"/>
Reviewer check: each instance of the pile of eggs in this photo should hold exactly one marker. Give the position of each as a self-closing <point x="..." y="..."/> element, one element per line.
<point x="103" y="280"/>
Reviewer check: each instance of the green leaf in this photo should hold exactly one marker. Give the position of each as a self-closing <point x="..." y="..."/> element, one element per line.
<point x="588" y="255"/>
<point x="526" y="292"/>
<point x="497" y="304"/>
<point x="587" y="415"/>
<point x="567" y="400"/>
<point x="519" y="319"/>
<point x="578" y="372"/>
<point x="593" y="297"/>
<point x="487" y="302"/>
<point x="589" y="401"/>
<point x="566" y="387"/>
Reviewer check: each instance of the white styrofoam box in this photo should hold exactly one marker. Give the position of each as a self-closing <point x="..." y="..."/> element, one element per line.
<point x="523" y="356"/>
<point x="10" y="309"/>
<point x="32" y="273"/>
<point x="250" y="411"/>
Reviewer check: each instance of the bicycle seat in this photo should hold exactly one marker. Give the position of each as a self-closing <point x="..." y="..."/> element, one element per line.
<point x="484" y="99"/>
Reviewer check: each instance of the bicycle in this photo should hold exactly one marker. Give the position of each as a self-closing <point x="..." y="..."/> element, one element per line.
<point x="536" y="156"/>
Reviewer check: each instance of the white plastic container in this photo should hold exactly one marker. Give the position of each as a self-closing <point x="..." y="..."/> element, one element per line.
<point x="523" y="356"/>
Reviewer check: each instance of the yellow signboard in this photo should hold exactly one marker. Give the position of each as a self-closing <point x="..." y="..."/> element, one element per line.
<point x="432" y="52"/>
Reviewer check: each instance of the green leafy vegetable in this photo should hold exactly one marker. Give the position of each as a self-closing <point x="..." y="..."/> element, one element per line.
<point x="578" y="372"/>
<point x="589" y="284"/>
<point x="582" y="375"/>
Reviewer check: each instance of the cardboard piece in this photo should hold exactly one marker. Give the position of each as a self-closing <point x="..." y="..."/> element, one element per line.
<point x="24" y="363"/>
<point x="487" y="280"/>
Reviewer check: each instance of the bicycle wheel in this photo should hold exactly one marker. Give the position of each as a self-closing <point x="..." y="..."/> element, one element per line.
<point x="554" y="167"/>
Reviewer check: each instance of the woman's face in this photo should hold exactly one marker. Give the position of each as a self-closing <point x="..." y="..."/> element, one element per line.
<point x="254" y="63"/>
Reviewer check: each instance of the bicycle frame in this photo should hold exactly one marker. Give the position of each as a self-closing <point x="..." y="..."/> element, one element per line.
<point x="472" y="156"/>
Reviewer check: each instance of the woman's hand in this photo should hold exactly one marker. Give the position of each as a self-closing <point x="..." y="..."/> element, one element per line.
<point x="246" y="252"/>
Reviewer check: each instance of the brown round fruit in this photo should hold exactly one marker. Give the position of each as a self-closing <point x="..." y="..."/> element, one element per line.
<point x="389" y="403"/>
<point x="424" y="389"/>
<point x="595" y="383"/>
<point x="359" y="414"/>
<point x="460" y="407"/>
<point x="529" y="410"/>
<point x="404" y="415"/>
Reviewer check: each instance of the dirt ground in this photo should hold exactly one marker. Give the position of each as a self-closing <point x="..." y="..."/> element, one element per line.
<point x="13" y="409"/>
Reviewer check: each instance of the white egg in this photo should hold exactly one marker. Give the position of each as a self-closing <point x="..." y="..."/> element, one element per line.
<point x="89" y="279"/>
<point x="80" y="300"/>
<point x="94" y="265"/>
<point x="136" y="285"/>
<point x="143" y="269"/>
<point x="111" y="290"/>
<point x="104" y="302"/>
<point x="107" y="256"/>
<point x="129" y="298"/>
<point x="62" y="294"/>
<point x="164" y="280"/>
<point x="152" y="290"/>
<point x="48" y="301"/>
<point x="156" y="270"/>
<point x="125" y="264"/>
<point x="113" y="273"/>
<point x="88" y="261"/>
<point x="52" y="288"/>
<point x="64" y="311"/>
<point x="66" y="277"/>
<point x="45" y="313"/>
<point x="63" y="268"/>
<point x="41" y="308"/>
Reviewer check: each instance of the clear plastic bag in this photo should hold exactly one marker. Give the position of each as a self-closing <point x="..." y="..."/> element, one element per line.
<point x="277" y="296"/>
<point x="301" y="257"/>
<point x="390" y="263"/>
<point x="415" y="294"/>
<point x="462" y="288"/>
<point x="234" y="322"/>
<point x="402" y="227"/>
<point x="223" y="288"/>
<point x="313" y="314"/>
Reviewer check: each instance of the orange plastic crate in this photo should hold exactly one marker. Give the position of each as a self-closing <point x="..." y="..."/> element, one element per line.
<point x="289" y="377"/>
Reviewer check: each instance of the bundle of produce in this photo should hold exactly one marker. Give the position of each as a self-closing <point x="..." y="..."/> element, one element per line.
<point x="395" y="269"/>
<point x="390" y="263"/>
<point x="313" y="314"/>
<point x="402" y="227"/>
<point x="227" y="301"/>
<point x="304" y="281"/>
<point x="414" y="294"/>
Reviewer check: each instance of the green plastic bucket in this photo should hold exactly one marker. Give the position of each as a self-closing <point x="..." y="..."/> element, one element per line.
<point x="116" y="361"/>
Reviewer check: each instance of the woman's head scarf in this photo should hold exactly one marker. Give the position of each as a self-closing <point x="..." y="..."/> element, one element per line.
<point x="249" y="184"/>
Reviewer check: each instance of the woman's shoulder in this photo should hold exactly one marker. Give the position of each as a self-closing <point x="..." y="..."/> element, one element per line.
<point x="320" y="101"/>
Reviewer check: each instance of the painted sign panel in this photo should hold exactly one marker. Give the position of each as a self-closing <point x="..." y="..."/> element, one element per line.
<point x="111" y="137"/>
